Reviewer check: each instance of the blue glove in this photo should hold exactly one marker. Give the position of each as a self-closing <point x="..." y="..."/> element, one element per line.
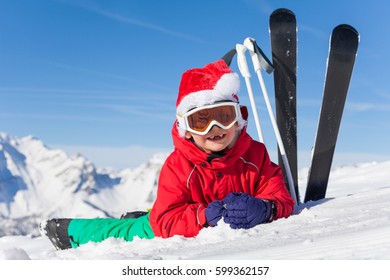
<point x="245" y="211"/>
<point x="214" y="212"/>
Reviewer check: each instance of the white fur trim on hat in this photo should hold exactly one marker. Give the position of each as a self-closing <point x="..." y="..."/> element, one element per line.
<point x="226" y="88"/>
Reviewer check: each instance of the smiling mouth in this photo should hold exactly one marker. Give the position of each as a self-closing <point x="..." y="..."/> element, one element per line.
<point x="216" y="137"/>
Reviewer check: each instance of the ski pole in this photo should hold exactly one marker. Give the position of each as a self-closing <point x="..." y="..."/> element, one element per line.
<point x="243" y="67"/>
<point x="261" y="61"/>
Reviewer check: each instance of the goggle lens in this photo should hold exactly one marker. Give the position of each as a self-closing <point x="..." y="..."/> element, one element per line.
<point x="201" y="119"/>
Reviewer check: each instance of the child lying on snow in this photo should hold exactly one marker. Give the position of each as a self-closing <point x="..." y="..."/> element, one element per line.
<point x="216" y="171"/>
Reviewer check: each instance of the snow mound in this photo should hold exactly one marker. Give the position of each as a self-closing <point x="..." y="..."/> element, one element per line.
<point x="353" y="222"/>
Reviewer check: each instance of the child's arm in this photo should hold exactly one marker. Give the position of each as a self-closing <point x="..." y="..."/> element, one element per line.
<point x="173" y="212"/>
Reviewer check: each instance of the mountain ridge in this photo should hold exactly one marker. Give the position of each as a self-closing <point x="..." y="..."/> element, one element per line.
<point x="38" y="182"/>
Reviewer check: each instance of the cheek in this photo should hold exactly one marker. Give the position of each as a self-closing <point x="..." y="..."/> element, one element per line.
<point x="233" y="133"/>
<point x="197" y="138"/>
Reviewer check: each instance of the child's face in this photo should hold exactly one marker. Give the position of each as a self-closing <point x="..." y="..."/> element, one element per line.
<point x="216" y="140"/>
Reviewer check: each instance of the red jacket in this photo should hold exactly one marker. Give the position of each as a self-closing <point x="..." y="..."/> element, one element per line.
<point x="189" y="182"/>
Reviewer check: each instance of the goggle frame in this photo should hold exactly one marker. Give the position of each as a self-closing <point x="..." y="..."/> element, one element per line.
<point x="183" y="119"/>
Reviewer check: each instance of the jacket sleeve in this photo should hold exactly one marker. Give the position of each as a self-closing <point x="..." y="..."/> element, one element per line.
<point x="173" y="213"/>
<point x="271" y="186"/>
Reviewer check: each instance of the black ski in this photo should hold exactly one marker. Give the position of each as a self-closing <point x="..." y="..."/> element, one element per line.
<point x="342" y="53"/>
<point x="283" y="32"/>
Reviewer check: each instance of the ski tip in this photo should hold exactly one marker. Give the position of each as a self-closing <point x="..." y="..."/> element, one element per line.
<point x="282" y="15"/>
<point x="282" y="11"/>
<point x="345" y="37"/>
<point x="346" y="28"/>
<point x="228" y="57"/>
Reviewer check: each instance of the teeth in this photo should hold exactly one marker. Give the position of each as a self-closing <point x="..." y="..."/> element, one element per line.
<point x="216" y="136"/>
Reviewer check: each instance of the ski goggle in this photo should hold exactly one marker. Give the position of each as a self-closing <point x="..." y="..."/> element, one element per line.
<point x="202" y="119"/>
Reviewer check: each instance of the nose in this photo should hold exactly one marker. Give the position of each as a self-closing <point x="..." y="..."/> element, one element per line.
<point x="216" y="127"/>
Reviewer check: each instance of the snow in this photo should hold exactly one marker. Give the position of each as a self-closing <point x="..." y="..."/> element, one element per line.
<point x="351" y="223"/>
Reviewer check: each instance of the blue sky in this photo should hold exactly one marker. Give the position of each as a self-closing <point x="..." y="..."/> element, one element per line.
<point x="101" y="77"/>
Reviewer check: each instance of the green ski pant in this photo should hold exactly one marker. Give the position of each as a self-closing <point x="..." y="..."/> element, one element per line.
<point x="96" y="230"/>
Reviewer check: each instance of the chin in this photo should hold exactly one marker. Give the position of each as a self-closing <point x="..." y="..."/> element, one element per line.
<point x="217" y="148"/>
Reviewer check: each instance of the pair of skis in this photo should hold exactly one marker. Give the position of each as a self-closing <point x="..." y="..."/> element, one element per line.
<point x="342" y="52"/>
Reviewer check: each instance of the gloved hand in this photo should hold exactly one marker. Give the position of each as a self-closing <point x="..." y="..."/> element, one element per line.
<point x="214" y="212"/>
<point x="245" y="211"/>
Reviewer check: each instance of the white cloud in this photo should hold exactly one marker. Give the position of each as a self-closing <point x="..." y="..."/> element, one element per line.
<point x="142" y="24"/>
<point x="366" y="106"/>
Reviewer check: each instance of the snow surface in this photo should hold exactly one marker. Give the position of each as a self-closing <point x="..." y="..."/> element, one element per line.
<point x="351" y="223"/>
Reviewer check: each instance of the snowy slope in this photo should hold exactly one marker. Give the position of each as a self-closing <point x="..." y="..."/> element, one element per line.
<point x="353" y="222"/>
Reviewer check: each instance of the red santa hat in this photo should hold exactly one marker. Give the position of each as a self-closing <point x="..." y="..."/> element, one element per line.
<point x="204" y="86"/>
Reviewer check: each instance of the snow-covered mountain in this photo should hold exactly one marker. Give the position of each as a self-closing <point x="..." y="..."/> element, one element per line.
<point x="37" y="182"/>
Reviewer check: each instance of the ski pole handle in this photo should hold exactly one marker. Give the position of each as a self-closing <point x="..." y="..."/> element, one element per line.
<point x="259" y="59"/>
<point x="255" y="60"/>
<point x="243" y="67"/>
<point x="241" y="61"/>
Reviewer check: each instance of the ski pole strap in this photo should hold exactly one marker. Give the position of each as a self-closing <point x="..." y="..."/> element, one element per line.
<point x="228" y="57"/>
